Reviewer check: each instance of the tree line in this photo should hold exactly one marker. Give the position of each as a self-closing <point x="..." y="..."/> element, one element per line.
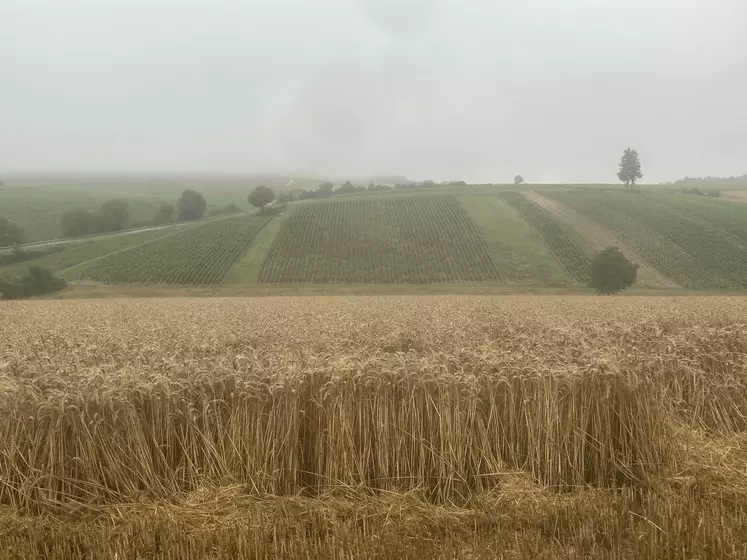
<point x="114" y="215"/>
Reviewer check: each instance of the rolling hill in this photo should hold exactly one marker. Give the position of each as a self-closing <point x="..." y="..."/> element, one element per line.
<point x="490" y="236"/>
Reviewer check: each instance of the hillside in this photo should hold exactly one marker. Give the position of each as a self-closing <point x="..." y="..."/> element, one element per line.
<point x="37" y="203"/>
<point x="526" y="238"/>
<point x="419" y="240"/>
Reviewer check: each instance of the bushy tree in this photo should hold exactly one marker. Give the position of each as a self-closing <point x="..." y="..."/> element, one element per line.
<point x="260" y="197"/>
<point x="77" y="222"/>
<point x="37" y="281"/>
<point x="165" y="214"/>
<point x="10" y="233"/>
<point x="611" y="271"/>
<point x="518" y="180"/>
<point x="325" y="190"/>
<point x="630" y="168"/>
<point x="113" y="215"/>
<point x="191" y="206"/>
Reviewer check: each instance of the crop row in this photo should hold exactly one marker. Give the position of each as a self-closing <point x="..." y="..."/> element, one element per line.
<point x="731" y="218"/>
<point x="571" y="257"/>
<point x="686" y="248"/>
<point x="416" y="240"/>
<point x="83" y="251"/>
<point x="200" y="256"/>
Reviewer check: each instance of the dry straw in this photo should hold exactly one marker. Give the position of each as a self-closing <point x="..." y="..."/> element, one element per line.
<point x="387" y="428"/>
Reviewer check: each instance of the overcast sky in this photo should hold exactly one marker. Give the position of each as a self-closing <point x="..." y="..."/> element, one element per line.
<point x="478" y="90"/>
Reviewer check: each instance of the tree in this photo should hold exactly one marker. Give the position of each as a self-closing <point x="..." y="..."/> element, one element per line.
<point x="518" y="180"/>
<point x="191" y="206"/>
<point x="325" y="189"/>
<point x="630" y="168"/>
<point x="38" y="281"/>
<point x="611" y="271"/>
<point x="113" y="216"/>
<point x="260" y="197"/>
<point x="77" y="222"/>
<point x="10" y="233"/>
<point x="165" y="214"/>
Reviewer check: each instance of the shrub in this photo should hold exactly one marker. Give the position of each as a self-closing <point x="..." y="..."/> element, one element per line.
<point x="611" y="271"/>
<point x="38" y="281"/>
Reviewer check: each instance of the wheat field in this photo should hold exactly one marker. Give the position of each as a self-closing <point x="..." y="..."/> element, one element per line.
<point x="527" y="427"/>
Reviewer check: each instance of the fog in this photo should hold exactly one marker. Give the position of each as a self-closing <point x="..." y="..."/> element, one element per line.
<point x="475" y="90"/>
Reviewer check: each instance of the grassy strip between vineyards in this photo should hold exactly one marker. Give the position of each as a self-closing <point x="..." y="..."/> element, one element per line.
<point x="518" y="251"/>
<point x="692" y="251"/>
<point x="247" y="268"/>
<point x="200" y="256"/>
<point x="419" y="239"/>
<point x="574" y="259"/>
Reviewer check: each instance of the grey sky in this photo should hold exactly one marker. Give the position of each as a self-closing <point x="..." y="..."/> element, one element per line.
<point x="444" y="89"/>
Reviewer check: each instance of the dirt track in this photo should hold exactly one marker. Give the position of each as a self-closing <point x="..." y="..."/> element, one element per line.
<point x="601" y="237"/>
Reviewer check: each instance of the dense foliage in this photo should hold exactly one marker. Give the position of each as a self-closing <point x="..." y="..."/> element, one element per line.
<point x="611" y="271"/>
<point x="191" y="205"/>
<point x="165" y="214"/>
<point x="630" y="168"/>
<point x="36" y="281"/>
<point x="261" y="197"/>
<point x="10" y="233"/>
<point x="114" y="215"/>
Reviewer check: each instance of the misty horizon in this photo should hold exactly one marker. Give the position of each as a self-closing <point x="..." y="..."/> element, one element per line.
<point x="429" y="90"/>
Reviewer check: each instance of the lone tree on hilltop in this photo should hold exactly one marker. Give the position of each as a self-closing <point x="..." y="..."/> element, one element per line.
<point x="10" y="233"/>
<point x="191" y="206"/>
<point x="630" y="168"/>
<point x="260" y="197"/>
<point x="611" y="271"/>
<point x="518" y="180"/>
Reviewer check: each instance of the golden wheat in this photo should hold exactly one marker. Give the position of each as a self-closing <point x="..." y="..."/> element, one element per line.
<point x="390" y="427"/>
